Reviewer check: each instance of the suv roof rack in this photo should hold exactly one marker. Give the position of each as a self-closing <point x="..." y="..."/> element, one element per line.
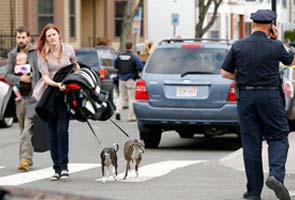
<point x="169" y="41"/>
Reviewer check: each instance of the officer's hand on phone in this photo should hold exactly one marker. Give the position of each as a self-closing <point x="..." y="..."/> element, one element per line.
<point x="274" y="32"/>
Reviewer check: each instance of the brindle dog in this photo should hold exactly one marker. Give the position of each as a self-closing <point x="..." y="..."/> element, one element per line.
<point x="133" y="150"/>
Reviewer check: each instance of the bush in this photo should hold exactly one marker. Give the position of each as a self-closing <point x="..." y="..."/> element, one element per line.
<point x="290" y="34"/>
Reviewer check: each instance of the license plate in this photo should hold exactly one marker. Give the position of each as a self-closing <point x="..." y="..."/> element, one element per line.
<point x="186" y="91"/>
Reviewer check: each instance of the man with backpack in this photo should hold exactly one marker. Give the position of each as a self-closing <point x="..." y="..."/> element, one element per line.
<point x="128" y="66"/>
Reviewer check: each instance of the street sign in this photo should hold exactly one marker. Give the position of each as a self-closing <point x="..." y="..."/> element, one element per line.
<point x="174" y="19"/>
<point x="136" y="25"/>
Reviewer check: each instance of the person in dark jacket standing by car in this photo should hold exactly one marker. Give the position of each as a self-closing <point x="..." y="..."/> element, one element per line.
<point x="26" y="83"/>
<point x="128" y="66"/>
<point x="254" y="64"/>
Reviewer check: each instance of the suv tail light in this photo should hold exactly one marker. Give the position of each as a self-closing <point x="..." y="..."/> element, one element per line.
<point x="231" y="98"/>
<point x="141" y="91"/>
<point x="288" y="89"/>
<point x="191" y="46"/>
<point x="102" y="73"/>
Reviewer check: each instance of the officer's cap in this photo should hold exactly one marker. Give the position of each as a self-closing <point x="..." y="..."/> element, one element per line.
<point x="263" y="16"/>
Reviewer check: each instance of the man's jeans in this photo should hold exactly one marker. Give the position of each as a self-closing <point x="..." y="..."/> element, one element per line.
<point x="26" y="133"/>
<point x="20" y="113"/>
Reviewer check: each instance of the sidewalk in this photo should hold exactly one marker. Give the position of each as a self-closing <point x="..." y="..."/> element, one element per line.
<point x="235" y="160"/>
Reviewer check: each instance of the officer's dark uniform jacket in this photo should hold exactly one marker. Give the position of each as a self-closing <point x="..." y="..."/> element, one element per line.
<point x="128" y="66"/>
<point x="256" y="60"/>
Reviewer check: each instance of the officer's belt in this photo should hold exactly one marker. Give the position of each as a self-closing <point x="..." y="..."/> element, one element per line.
<point x="248" y="87"/>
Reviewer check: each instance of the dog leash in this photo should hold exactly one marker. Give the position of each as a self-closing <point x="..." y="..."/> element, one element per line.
<point x="120" y="128"/>
<point x="93" y="132"/>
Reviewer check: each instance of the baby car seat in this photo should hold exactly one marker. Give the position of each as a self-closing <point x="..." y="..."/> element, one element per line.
<point x="84" y="98"/>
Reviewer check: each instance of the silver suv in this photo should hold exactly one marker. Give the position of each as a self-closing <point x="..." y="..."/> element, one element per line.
<point x="181" y="89"/>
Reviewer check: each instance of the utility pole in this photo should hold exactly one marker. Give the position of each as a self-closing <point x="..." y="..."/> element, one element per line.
<point x="274" y="6"/>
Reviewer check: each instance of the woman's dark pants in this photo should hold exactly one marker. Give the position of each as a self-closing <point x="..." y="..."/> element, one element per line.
<point x="59" y="140"/>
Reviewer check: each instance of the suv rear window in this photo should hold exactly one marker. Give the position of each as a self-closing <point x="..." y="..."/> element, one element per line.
<point x="89" y="58"/>
<point x="181" y="60"/>
<point x="107" y="57"/>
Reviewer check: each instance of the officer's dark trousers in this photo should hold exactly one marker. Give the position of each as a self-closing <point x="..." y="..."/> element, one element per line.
<point x="261" y="114"/>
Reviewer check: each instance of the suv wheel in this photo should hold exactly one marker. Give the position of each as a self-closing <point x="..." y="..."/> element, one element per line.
<point x="6" y="122"/>
<point x="150" y="135"/>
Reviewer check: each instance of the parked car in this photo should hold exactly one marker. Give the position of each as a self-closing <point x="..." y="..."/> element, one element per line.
<point x="101" y="59"/>
<point x="181" y="89"/>
<point x="7" y="108"/>
<point x="288" y="75"/>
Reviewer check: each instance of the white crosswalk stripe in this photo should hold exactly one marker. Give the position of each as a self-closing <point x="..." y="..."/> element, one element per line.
<point x="36" y="175"/>
<point x="155" y="170"/>
<point x="146" y="172"/>
<point x="2" y="167"/>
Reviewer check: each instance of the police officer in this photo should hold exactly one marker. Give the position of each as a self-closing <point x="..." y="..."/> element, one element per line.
<point x="254" y="64"/>
<point x="128" y="66"/>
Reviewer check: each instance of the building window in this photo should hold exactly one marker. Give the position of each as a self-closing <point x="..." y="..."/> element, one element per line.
<point x="248" y="29"/>
<point x="215" y="28"/>
<point x="119" y="14"/>
<point x="120" y="5"/>
<point x="284" y="3"/>
<point x="45" y="13"/>
<point x="72" y="18"/>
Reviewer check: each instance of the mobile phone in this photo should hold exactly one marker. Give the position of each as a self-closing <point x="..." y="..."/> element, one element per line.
<point x="270" y="29"/>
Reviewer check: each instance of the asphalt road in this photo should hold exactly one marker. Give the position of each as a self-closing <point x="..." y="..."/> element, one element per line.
<point x="179" y="169"/>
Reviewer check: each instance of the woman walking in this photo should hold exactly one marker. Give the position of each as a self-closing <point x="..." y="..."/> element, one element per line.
<point x="54" y="55"/>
